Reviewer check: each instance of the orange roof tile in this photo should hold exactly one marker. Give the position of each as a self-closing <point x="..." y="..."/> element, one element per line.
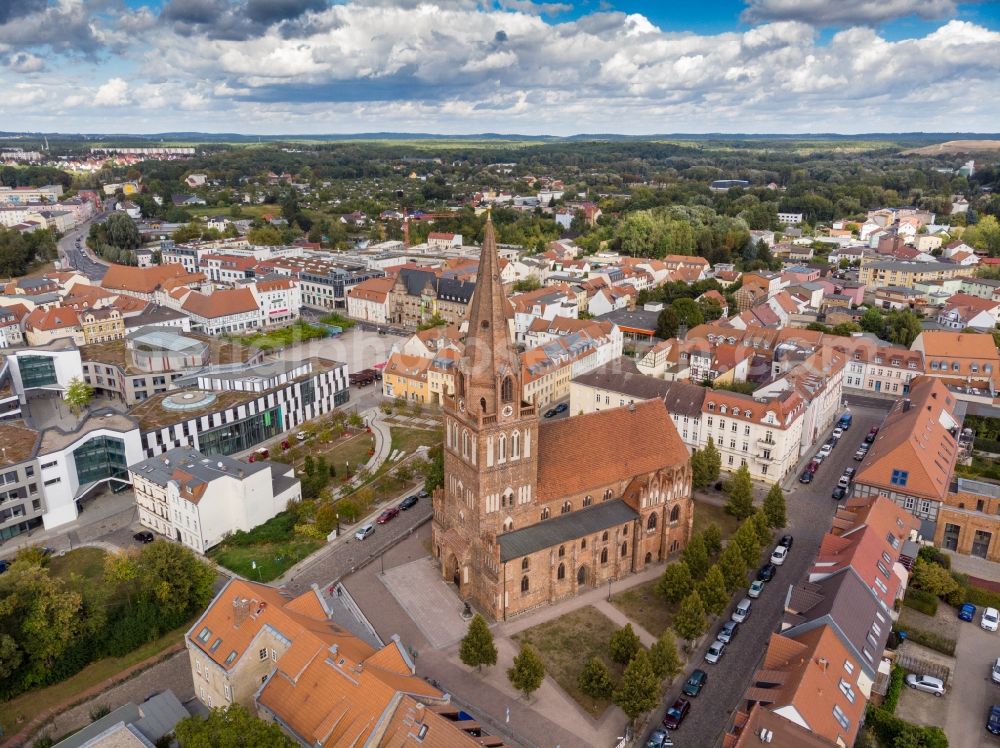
<point x="598" y="449"/>
<point x="221" y="303"/>
<point x="141" y="280"/>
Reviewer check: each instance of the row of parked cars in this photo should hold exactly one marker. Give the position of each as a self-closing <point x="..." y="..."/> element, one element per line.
<point x="723" y="638"/>
<point x="390" y="514"/>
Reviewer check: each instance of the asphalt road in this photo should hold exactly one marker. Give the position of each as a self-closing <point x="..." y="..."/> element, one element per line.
<point x="77" y="257"/>
<point x="810" y="509"/>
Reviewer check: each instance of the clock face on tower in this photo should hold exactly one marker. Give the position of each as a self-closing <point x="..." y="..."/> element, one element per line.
<point x="508" y="411"/>
<point x="461" y="404"/>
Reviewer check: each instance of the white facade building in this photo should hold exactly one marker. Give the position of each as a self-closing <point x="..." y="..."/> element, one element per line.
<point x="199" y="500"/>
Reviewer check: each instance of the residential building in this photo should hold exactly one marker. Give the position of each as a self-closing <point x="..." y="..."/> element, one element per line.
<point x="101" y="325"/>
<point x="877" y="368"/>
<point x="764" y="435"/>
<point x="10" y="325"/>
<point x="530" y="513"/>
<point x="369" y="300"/>
<point x="132" y="725"/>
<point x="964" y="310"/>
<point x="881" y="273"/>
<point x="44" y="325"/>
<point x="869" y="534"/>
<point x="406" y="378"/>
<point x="790" y="219"/>
<point x="280" y="300"/>
<point x="197" y="500"/>
<point x="968" y="519"/>
<point x="800" y="679"/>
<point x="49" y="193"/>
<point x="619" y="383"/>
<point x="548" y="369"/>
<point x="224" y="311"/>
<point x="984" y="288"/>
<point x="913" y="457"/>
<point x="146" y="283"/>
<point x="286" y="660"/>
<point x="21" y="497"/>
<point x="418" y="295"/>
<point x="959" y="356"/>
<point x="231" y="269"/>
<point x="757" y="724"/>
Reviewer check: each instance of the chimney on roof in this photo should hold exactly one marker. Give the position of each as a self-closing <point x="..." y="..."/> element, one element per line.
<point x="823" y="663"/>
<point x="906" y="404"/>
<point x="241" y="609"/>
<point x="765" y="735"/>
<point x="631" y="407"/>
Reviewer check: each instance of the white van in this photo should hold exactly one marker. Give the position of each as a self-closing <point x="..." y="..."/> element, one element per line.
<point x="742" y="611"/>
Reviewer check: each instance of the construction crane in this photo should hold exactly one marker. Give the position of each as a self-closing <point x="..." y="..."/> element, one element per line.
<point x="422" y="217"/>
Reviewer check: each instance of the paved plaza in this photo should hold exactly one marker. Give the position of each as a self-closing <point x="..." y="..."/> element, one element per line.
<point x="431" y="602"/>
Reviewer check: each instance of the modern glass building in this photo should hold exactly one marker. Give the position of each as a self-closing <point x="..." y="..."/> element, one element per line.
<point x="243" y="434"/>
<point x="37" y="371"/>
<point x="101" y="458"/>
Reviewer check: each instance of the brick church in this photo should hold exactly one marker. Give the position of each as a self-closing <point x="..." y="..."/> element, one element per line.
<point x="532" y="512"/>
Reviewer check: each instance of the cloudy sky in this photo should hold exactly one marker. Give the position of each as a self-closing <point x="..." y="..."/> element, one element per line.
<point x="511" y="66"/>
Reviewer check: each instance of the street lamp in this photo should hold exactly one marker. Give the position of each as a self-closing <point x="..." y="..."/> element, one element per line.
<point x="338" y="525"/>
<point x="609" y="590"/>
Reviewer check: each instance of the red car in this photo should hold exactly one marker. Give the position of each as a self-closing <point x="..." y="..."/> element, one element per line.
<point x="285" y="445"/>
<point x="813" y="466"/>
<point x="387" y="515"/>
<point x="676" y="714"/>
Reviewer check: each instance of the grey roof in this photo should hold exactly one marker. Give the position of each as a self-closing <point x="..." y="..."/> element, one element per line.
<point x="153" y="314"/>
<point x="446" y="288"/>
<point x="154" y="718"/>
<point x="160" y="469"/>
<point x="264" y="370"/>
<point x="564" y="528"/>
<point x="166" y="339"/>
<point x="637" y="318"/>
<point x="622" y="377"/>
<point x="843" y="601"/>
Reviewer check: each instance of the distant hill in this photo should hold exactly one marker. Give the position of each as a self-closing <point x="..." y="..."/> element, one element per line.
<point x="953" y="147"/>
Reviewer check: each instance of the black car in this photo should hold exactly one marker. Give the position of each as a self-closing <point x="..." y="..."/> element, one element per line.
<point x="766" y="572"/>
<point x="806" y="477"/>
<point x="786" y="540"/>
<point x="550" y="412"/>
<point x="839" y="493"/>
<point x="422" y="494"/>
<point x="562" y="408"/>
<point x="409" y="502"/>
<point x="144" y="537"/>
<point x="4" y="565"/>
<point x="694" y="684"/>
<point x="993" y="721"/>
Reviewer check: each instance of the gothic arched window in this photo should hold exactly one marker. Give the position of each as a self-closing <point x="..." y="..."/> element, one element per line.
<point x="562" y="551"/>
<point x="561" y="571"/>
<point x="624" y="549"/>
<point x="604" y="537"/>
<point x="651" y="522"/>
<point x="524" y="584"/>
<point x="587" y="501"/>
<point x="567" y="507"/>
<point x="604" y="556"/>
<point x="675" y="513"/>
<point x="507" y="390"/>
<point x="524" y="564"/>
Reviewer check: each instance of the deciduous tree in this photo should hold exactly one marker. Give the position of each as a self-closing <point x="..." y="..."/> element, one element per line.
<point x="690" y="621"/>
<point x="639" y="689"/>
<point x="230" y="727"/>
<point x="477" y="647"/>
<point x="528" y="671"/>
<point x="713" y="539"/>
<point x="713" y="591"/>
<point x="705" y="465"/>
<point x="739" y="488"/>
<point x="675" y="583"/>
<point x="696" y="556"/>
<point x="774" y="507"/>
<point x="663" y="656"/>
<point x="624" y="644"/>
<point x="594" y="679"/>
<point x="78" y="395"/>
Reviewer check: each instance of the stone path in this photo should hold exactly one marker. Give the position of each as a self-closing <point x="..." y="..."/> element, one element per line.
<point x="430" y="601"/>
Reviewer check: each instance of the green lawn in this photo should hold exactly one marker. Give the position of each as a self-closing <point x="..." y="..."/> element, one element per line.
<point x="26" y="706"/>
<point x="645" y="607"/>
<point x="705" y="514"/>
<point x="284" y="337"/>
<point x="567" y="643"/>
<point x="272" y="559"/>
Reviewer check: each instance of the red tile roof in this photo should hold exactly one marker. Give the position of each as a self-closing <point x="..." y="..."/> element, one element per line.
<point x="599" y="449"/>
<point x="221" y="303"/>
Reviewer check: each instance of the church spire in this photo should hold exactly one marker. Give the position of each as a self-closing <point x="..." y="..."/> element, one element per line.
<point x="489" y="358"/>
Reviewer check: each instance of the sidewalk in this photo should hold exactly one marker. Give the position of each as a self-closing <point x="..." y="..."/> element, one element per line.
<point x="974" y="566"/>
<point x="108" y="513"/>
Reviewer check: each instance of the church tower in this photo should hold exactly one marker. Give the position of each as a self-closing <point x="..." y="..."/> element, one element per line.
<point x="490" y="444"/>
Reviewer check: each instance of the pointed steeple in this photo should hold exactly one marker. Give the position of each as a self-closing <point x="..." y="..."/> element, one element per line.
<point x="489" y="356"/>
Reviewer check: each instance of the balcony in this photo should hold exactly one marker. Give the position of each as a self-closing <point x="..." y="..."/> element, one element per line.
<point x="761" y="456"/>
<point x="767" y="442"/>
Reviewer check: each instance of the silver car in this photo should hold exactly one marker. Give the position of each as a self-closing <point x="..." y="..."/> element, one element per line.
<point x="715" y="651"/>
<point x="926" y="683"/>
<point x="364" y="532"/>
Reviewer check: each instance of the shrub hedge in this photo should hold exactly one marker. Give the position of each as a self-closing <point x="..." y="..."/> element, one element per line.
<point x="896" y="682"/>
<point x="921" y="600"/>
<point x="931" y="640"/>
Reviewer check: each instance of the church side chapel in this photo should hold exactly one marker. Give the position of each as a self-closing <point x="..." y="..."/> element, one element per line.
<point x="531" y="512"/>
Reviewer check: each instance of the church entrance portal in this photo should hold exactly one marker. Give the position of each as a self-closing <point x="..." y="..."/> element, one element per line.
<point x="581" y="576"/>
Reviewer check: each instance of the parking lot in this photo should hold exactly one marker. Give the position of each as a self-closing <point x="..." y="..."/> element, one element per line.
<point x="810" y="508"/>
<point x="970" y="694"/>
